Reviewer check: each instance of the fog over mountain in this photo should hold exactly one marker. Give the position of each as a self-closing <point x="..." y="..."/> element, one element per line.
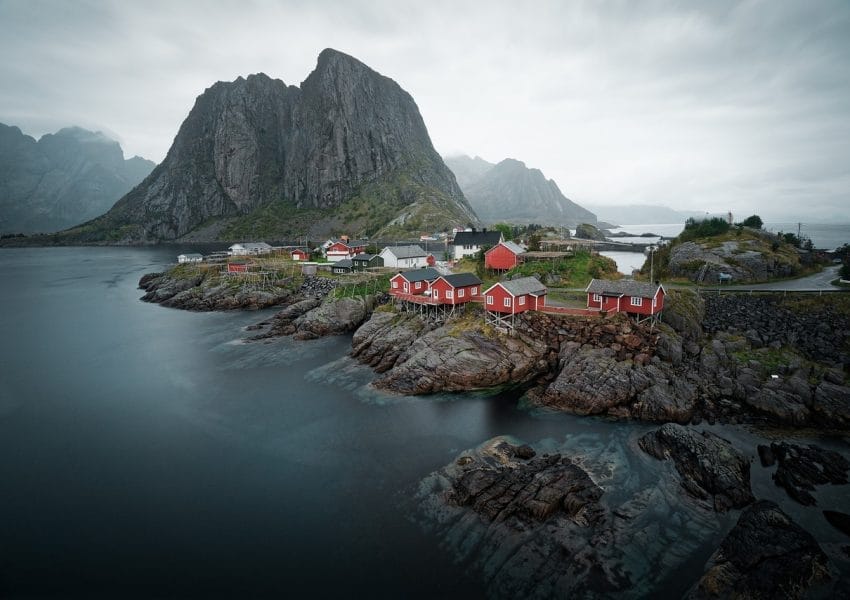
<point x="62" y="179"/>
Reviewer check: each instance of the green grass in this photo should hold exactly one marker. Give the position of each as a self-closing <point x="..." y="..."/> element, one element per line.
<point x="576" y="271"/>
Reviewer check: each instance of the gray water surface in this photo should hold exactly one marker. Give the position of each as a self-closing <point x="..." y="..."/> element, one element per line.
<point x="150" y="452"/>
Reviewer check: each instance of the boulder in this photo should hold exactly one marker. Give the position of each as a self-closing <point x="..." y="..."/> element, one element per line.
<point x="710" y="467"/>
<point x="765" y="556"/>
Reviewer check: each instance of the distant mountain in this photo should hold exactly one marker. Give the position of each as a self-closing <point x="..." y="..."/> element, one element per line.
<point x="62" y="179"/>
<point x="510" y="191"/>
<point x="255" y="158"/>
<point x="635" y="214"/>
<point x="468" y="170"/>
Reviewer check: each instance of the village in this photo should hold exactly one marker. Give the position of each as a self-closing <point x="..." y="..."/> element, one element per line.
<point x="415" y="280"/>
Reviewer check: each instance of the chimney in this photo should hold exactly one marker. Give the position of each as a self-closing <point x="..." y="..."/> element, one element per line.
<point x="473" y="230"/>
<point x="484" y="230"/>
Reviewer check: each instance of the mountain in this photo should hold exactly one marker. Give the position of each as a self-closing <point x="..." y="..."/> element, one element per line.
<point x="346" y="151"/>
<point x="635" y="214"/>
<point x="467" y="170"/>
<point x="510" y="191"/>
<point x="62" y="179"/>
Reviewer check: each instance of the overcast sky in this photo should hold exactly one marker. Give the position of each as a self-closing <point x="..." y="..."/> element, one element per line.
<point x="708" y="106"/>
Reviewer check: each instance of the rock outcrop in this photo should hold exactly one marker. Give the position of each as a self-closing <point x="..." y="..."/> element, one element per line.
<point x="510" y="191"/>
<point x="201" y="292"/>
<point x="710" y="467"/>
<point x="587" y="231"/>
<point x="801" y="468"/>
<point x="61" y="180"/>
<point x="765" y="556"/>
<point x="746" y="260"/>
<point x="255" y="144"/>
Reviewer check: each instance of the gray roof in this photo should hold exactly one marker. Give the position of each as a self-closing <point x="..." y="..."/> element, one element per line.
<point x="351" y="243"/>
<point x="344" y="263"/>
<point x="406" y="251"/>
<point x="364" y="256"/>
<point x="622" y="287"/>
<point x="462" y="279"/>
<point x="253" y="245"/>
<point x="477" y="238"/>
<point x="515" y="248"/>
<point x="524" y="285"/>
<point x="427" y="274"/>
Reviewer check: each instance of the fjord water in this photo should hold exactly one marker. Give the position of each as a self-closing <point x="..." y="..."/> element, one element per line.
<point x="147" y="451"/>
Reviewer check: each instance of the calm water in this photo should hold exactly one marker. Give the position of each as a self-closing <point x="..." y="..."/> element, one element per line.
<point x="149" y="452"/>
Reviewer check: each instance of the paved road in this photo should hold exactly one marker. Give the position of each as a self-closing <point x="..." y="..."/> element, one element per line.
<point x="812" y="283"/>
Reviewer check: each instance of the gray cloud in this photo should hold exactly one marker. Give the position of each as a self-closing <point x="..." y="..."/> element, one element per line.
<point x="704" y="106"/>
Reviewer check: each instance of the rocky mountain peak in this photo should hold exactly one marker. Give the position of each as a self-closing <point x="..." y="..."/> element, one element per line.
<point x="347" y="133"/>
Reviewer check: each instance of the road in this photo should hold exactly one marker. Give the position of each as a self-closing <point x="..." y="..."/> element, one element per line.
<point x="812" y="283"/>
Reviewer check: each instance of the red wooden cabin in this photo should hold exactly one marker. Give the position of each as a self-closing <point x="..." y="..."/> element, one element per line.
<point x="343" y="248"/>
<point x="300" y="254"/>
<point x="503" y="256"/>
<point x="633" y="297"/>
<point x="416" y="281"/>
<point x="455" y="289"/>
<point x="515" y="296"/>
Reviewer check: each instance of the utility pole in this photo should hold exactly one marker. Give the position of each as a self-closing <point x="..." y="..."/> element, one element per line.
<point x="651" y="263"/>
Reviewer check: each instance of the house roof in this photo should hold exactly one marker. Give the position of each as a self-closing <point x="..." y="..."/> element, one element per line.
<point x="351" y="243"/>
<point x="462" y="279"/>
<point x="524" y="285"/>
<point x="413" y="251"/>
<point x="427" y="274"/>
<point x="253" y="246"/>
<point x="344" y="263"/>
<point x="623" y="287"/>
<point x="477" y="238"/>
<point x="363" y="256"/>
<point x="192" y="255"/>
<point x="513" y="247"/>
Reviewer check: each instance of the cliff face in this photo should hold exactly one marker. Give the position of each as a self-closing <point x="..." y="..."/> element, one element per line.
<point x="510" y="191"/>
<point x="257" y="143"/>
<point x="62" y="179"/>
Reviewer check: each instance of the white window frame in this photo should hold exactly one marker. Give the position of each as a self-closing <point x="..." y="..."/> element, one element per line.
<point x="507" y="302"/>
<point x="474" y="292"/>
<point x="522" y="300"/>
<point x="406" y="288"/>
<point x="460" y="293"/>
<point x="449" y="295"/>
<point x="395" y="284"/>
<point x="637" y="301"/>
<point x="490" y="300"/>
<point x="597" y="297"/>
<point x="435" y="293"/>
<point x="417" y="285"/>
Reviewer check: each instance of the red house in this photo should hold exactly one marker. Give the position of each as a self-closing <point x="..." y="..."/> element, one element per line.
<point x="416" y="281"/>
<point x="455" y="289"/>
<point x="237" y="267"/>
<point x="644" y="300"/>
<point x="503" y="256"/>
<point x="300" y="254"/>
<point x="343" y="248"/>
<point x="515" y="296"/>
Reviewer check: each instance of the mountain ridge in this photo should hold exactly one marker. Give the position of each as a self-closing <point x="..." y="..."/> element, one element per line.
<point x="511" y="191"/>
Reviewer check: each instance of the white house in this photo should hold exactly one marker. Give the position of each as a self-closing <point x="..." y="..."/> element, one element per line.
<point x="192" y="257"/>
<point x="404" y="256"/>
<point x="250" y="248"/>
<point x="468" y="243"/>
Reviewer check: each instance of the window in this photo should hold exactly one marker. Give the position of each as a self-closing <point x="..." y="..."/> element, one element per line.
<point x="474" y="292"/>
<point x="460" y="293"/>
<point x="467" y="247"/>
<point x="406" y="287"/>
<point x="597" y="298"/>
<point x="637" y="301"/>
<point x="507" y="301"/>
<point x="395" y="284"/>
<point x="418" y="284"/>
<point x="522" y="300"/>
<point x="436" y="293"/>
<point x="449" y="294"/>
<point x="490" y="300"/>
<point x="654" y="302"/>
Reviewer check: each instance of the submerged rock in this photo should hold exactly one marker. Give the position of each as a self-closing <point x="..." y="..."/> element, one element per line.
<point x="766" y="555"/>
<point x="801" y="468"/>
<point x="710" y="467"/>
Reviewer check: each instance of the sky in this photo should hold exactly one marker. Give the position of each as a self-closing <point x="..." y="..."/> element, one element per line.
<point x="704" y="106"/>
